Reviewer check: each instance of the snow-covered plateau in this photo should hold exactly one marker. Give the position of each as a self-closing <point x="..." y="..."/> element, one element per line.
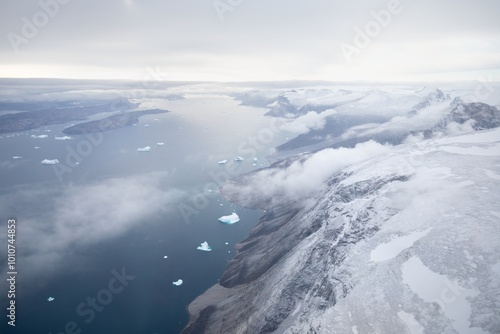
<point x="379" y="236"/>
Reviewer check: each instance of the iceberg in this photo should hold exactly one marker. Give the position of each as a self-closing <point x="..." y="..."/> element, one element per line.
<point x="222" y="162"/>
<point x="239" y="159"/>
<point x="227" y="243"/>
<point x="165" y="257"/>
<point x="40" y="136"/>
<point x="50" y="162"/>
<point x="204" y="247"/>
<point x="37" y="147"/>
<point x="231" y="219"/>
<point x="17" y="157"/>
<point x="50" y="299"/>
<point x="63" y="138"/>
<point x="255" y="159"/>
<point x="160" y="144"/>
<point x="144" y="149"/>
<point x="178" y="282"/>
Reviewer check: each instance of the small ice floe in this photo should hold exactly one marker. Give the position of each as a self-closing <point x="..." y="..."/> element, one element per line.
<point x="63" y="138"/>
<point x="50" y="299"/>
<point x="37" y="147"/>
<point x="160" y="144"/>
<point x="146" y="124"/>
<point x="17" y="157"/>
<point x="231" y="219"/>
<point x="178" y="282"/>
<point x="227" y="243"/>
<point x="254" y="164"/>
<point x="144" y="149"/>
<point x="255" y="159"/>
<point x="39" y="137"/>
<point x="238" y="159"/>
<point x="50" y="162"/>
<point x="165" y="257"/>
<point x="204" y="247"/>
<point x="221" y="204"/>
<point x="222" y="162"/>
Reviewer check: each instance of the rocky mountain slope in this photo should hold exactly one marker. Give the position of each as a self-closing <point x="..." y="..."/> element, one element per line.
<point x="371" y="239"/>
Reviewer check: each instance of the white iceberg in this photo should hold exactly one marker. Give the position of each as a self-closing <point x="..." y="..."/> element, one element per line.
<point x="37" y="147"/>
<point x="50" y="299"/>
<point x="178" y="282"/>
<point x="40" y="136"/>
<point x="17" y="157"/>
<point x="239" y="159"/>
<point x="50" y="162"/>
<point x="255" y="159"/>
<point x="62" y="138"/>
<point x="160" y="144"/>
<point x="144" y="149"/>
<point x="165" y="257"/>
<point x="222" y="162"/>
<point x="204" y="247"/>
<point x="231" y="219"/>
<point x="227" y="243"/>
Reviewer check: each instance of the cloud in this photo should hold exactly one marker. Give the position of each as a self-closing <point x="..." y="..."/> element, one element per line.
<point x="83" y="215"/>
<point x="308" y="122"/>
<point x="301" y="179"/>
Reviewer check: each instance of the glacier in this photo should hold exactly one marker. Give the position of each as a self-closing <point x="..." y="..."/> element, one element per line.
<point x="50" y="161"/>
<point x="204" y="247"/>
<point x="144" y="149"/>
<point x="230" y="219"/>
<point x="396" y="218"/>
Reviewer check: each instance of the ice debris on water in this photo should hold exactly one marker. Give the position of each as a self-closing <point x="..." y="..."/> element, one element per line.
<point x="222" y="162"/>
<point x="62" y="138"/>
<point x="239" y="159"/>
<point x="37" y="147"/>
<point x="178" y="282"/>
<point x="17" y="157"/>
<point x="160" y="144"/>
<point x="50" y="299"/>
<point x="50" y="162"/>
<point x="40" y="136"/>
<point x="231" y="219"/>
<point x="165" y="257"/>
<point x="144" y="149"/>
<point x="204" y="247"/>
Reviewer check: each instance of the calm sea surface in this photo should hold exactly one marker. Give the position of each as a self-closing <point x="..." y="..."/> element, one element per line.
<point x="82" y="264"/>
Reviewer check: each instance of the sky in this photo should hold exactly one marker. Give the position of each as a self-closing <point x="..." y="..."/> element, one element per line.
<point x="243" y="40"/>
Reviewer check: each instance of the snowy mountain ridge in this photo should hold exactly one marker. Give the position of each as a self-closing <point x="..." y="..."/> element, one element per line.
<point x="371" y="238"/>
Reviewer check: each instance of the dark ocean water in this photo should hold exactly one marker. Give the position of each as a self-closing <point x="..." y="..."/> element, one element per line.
<point x="199" y="131"/>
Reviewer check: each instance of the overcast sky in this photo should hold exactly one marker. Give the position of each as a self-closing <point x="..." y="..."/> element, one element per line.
<point x="251" y="39"/>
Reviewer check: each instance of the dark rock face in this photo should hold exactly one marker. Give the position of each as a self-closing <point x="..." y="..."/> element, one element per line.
<point x="110" y="123"/>
<point x="29" y="120"/>
<point x="271" y="244"/>
<point x="484" y="115"/>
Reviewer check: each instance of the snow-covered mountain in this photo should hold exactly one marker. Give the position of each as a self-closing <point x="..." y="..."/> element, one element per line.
<point x="372" y="238"/>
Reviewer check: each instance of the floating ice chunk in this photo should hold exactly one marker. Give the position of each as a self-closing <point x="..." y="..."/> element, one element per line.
<point x="231" y="219"/>
<point x="221" y="204"/>
<point x="63" y="138"/>
<point x="37" y="147"/>
<point x="165" y="257"/>
<point x="222" y="162"/>
<point x="50" y="162"/>
<point x="204" y="247"/>
<point x="17" y="157"/>
<point x="144" y="149"/>
<point x="50" y="299"/>
<point x="227" y="243"/>
<point x="255" y="159"/>
<point x="254" y="164"/>
<point x="178" y="282"/>
<point x="146" y="124"/>
<point x="239" y="159"/>
<point x="160" y="144"/>
<point x="40" y="136"/>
